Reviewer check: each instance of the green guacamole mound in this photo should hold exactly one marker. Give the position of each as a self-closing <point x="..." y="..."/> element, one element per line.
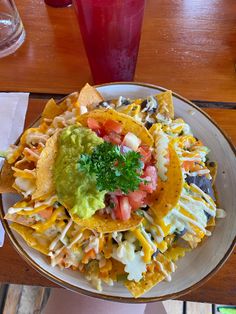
<point x="76" y="190"/>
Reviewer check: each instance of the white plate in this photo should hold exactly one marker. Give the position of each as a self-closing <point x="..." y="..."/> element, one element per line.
<point x="197" y="266"/>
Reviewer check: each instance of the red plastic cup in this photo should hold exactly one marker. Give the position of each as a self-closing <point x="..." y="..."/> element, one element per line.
<point x="58" y="3"/>
<point x="111" y="31"/>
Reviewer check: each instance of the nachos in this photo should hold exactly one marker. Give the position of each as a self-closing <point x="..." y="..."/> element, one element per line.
<point x="116" y="189"/>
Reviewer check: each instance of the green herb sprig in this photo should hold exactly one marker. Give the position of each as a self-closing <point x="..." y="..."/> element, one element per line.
<point x="113" y="170"/>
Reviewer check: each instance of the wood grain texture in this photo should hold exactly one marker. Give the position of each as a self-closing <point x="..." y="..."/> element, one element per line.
<point x="219" y="289"/>
<point x="188" y="46"/>
<point x="12" y="301"/>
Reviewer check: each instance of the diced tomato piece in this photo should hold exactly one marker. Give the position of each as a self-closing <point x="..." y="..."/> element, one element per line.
<point x="93" y="124"/>
<point x="147" y="185"/>
<point x="150" y="175"/>
<point x="113" y="202"/>
<point x="117" y="212"/>
<point x="107" y="138"/>
<point x="114" y="138"/>
<point x="125" y="208"/>
<point x="112" y="126"/>
<point x="132" y="141"/>
<point x="145" y="153"/>
<point x="136" y="199"/>
<point x="46" y="213"/>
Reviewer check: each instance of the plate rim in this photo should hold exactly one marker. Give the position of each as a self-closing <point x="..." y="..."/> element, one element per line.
<point x="72" y="287"/>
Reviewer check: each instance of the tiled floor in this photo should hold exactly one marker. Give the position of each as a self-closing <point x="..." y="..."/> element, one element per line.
<point x="18" y="299"/>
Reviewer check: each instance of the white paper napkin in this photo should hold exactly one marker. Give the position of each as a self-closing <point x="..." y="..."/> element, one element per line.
<point x="13" y="108"/>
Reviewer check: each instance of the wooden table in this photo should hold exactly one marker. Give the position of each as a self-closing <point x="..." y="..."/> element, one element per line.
<point x="188" y="46"/>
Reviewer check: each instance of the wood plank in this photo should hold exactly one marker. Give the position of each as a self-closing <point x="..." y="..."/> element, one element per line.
<point x="198" y="308"/>
<point x="3" y="293"/>
<point x="174" y="307"/>
<point x="187" y="46"/>
<point x="32" y="300"/>
<point x="13" y="299"/>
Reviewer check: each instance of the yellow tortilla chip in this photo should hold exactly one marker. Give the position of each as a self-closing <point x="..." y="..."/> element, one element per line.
<point x="169" y="191"/>
<point x="44" y="176"/>
<point x="128" y="123"/>
<point x="20" y="219"/>
<point x="192" y="239"/>
<point x="107" y="224"/>
<point x="211" y="222"/>
<point x="52" y="109"/>
<point x="70" y="100"/>
<point x="88" y="96"/>
<point x="31" y="238"/>
<point x="213" y="167"/>
<point x="150" y="278"/>
<point x="174" y="253"/>
<point x="7" y="179"/>
<point x="165" y="104"/>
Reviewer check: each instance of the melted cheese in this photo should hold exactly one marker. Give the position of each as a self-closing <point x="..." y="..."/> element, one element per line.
<point x="164" y="272"/>
<point x="133" y="261"/>
<point x="61" y="236"/>
<point x="41" y="227"/>
<point x="147" y="248"/>
<point x="26" y="186"/>
<point x="161" y="153"/>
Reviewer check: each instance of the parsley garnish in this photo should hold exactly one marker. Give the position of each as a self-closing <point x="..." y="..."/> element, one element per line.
<point x="113" y="170"/>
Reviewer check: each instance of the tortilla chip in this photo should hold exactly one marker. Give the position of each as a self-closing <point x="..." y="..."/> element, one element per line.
<point x="30" y="237"/>
<point x="25" y="217"/>
<point x="165" y="104"/>
<point x="213" y="167"/>
<point x="192" y="239"/>
<point x="44" y="177"/>
<point x="150" y="278"/>
<point x="88" y="96"/>
<point x="7" y="179"/>
<point x="128" y="123"/>
<point x="22" y="220"/>
<point x="70" y="100"/>
<point x="169" y="191"/>
<point x="174" y="253"/>
<point x="107" y="224"/>
<point x="211" y="222"/>
<point x="52" y="109"/>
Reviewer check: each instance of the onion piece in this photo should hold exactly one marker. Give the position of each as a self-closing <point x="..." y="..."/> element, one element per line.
<point x="131" y="141"/>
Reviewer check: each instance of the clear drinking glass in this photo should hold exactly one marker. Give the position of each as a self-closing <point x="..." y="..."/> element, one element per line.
<point x="12" y="33"/>
<point x="111" y="32"/>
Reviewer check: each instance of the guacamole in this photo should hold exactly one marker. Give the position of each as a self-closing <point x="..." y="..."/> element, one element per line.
<point x="76" y="190"/>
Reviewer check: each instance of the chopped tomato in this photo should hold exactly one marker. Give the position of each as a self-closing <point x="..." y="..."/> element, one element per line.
<point x="145" y="153"/>
<point x="136" y="199"/>
<point x="46" y="213"/>
<point x="125" y="208"/>
<point x="107" y="138"/>
<point x="117" y="211"/>
<point x="114" y="138"/>
<point x="112" y="126"/>
<point x="113" y="203"/>
<point x="93" y="124"/>
<point x="150" y="175"/>
<point x="122" y="209"/>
